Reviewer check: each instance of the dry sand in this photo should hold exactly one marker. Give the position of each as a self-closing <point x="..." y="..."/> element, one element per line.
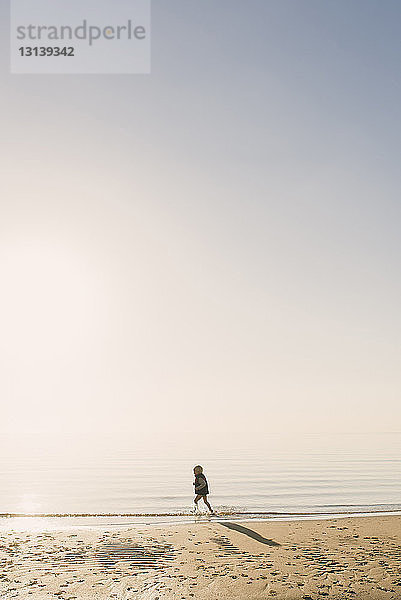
<point x="356" y="557"/>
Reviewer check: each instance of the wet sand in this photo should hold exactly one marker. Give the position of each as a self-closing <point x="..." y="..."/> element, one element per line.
<point x="355" y="557"/>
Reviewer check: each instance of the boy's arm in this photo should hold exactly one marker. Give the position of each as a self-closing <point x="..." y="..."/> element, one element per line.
<point x="202" y="483"/>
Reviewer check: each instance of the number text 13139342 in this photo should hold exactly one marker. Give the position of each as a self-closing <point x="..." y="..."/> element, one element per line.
<point x="46" y="51"/>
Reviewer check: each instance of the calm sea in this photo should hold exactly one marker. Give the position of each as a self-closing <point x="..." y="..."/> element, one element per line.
<point x="305" y="473"/>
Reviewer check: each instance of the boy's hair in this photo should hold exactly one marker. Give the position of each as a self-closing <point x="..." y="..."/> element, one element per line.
<point x="198" y="469"/>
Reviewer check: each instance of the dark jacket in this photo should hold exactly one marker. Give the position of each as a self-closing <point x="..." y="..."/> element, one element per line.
<point x="201" y="486"/>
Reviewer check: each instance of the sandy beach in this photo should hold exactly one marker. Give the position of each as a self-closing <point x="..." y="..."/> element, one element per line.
<point x="355" y="557"/>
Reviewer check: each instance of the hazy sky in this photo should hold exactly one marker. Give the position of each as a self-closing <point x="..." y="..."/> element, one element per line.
<point x="214" y="246"/>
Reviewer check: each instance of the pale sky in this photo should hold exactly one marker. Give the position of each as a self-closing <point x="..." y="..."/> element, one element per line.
<point x="215" y="245"/>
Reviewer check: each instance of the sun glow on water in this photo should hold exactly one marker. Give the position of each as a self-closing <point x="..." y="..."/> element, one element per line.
<point x="29" y="504"/>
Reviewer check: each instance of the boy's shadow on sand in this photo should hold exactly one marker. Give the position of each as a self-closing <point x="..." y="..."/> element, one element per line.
<point x="249" y="533"/>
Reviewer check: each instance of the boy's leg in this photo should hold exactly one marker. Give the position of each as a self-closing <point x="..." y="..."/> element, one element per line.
<point x="207" y="503"/>
<point x="196" y="500"/>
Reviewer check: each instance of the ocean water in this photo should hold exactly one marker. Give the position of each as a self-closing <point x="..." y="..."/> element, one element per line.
<point x="271" y="474"/>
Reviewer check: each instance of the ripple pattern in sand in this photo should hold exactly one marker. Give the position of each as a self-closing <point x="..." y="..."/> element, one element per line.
<point x="130" y="557"/>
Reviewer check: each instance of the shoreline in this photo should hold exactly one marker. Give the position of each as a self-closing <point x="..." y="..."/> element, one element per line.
<point x="183" y="514"/>
<point x="61" y="521"/>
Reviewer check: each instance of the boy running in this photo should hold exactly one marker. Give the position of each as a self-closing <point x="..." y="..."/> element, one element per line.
<point x="201" y="488"/>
